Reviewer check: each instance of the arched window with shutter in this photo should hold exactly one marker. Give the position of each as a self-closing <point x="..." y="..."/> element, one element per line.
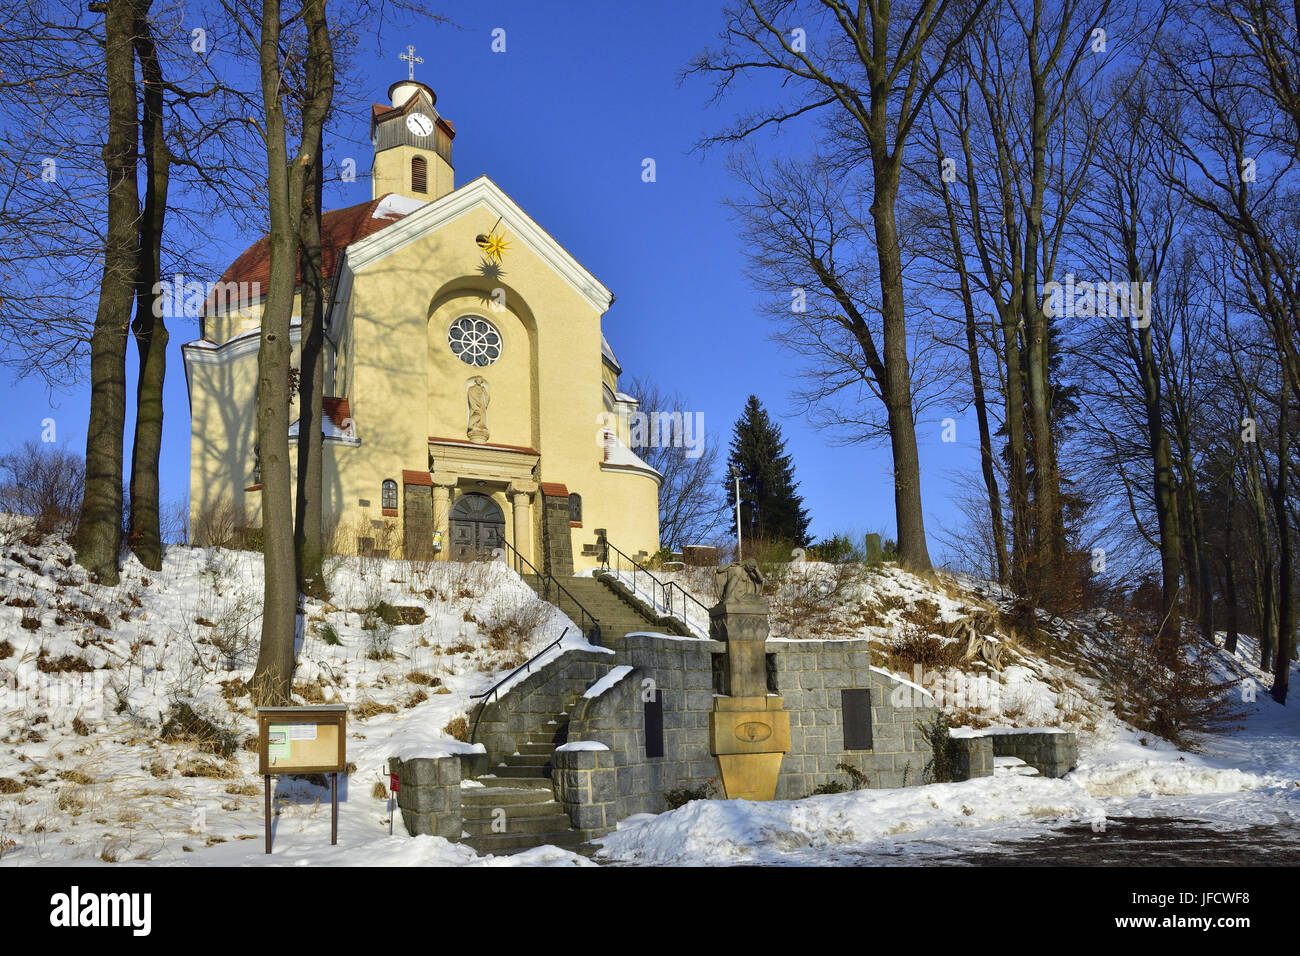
<point x="419" y="175"/>
<point x="388" y="495"/>
<point x="575" y="508"/>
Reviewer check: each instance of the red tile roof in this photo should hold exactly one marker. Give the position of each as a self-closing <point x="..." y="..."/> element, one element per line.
<point x="417" y="478"/>
<point x="338" y="229"/>
<point x="553" y="489"/>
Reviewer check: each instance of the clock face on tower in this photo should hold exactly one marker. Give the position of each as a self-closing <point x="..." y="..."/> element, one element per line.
<point x="419" y="124"/>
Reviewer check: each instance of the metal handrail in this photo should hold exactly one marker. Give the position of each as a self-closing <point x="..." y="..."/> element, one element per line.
<point x="526" y="665"/>
<point x="668" y="590"/>
<point x="586" y="620"/>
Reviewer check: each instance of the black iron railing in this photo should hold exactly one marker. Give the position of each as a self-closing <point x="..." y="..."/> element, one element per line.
<point x="491" y="693"/>
<point x="550" y="589"/>
<point x="666" y="596"/>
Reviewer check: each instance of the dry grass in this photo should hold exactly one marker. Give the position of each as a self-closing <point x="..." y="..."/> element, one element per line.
<point x="369" y="708"/>
<point x="76" y="776"/>
<point x="457" y="727"/>
<point x="243" y="790"/>
<point x="208" y="768"/>
<point x="9" y="785"/>
<point x="424" y="680"/>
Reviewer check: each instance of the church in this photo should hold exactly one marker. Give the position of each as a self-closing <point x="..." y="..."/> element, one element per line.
<point x="473" y="400"/>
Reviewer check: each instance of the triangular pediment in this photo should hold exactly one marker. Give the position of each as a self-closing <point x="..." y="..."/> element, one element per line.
<point x="481" y="193"/>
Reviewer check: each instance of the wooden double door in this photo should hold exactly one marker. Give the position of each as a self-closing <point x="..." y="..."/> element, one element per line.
<point x="477" y="527"/>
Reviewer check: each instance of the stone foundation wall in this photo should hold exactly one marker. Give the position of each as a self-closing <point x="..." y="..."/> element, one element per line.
<point x="429" y="798"/>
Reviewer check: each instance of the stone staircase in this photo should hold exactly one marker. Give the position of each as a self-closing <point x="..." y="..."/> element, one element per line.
<point x="617" y="617"/>
<point x="515" y="808"/>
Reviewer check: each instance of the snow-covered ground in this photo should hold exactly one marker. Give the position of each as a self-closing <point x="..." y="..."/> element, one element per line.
<point x="89" y="674"/>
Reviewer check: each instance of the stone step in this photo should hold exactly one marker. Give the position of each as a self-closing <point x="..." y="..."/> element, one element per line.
<point x="514" y="842"/>
<point x="537" y="747"/>
<point x="487" y="811"/>
<point x="518" y="772"/>
<point x="493" y="797"/>
<point x="528" y="760"/>
<point x="527" y="783"/>
<point x="550" y="823"/>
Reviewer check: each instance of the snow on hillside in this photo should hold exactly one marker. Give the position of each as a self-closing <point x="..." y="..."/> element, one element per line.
<point x="90" y="674"/>
<point x="1246" y="777"/>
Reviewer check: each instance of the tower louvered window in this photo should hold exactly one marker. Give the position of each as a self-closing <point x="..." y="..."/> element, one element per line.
<point x="419" y="175"/>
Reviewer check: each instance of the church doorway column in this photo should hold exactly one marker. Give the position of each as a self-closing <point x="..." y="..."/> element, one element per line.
<point x="521" y="506"/>
<point x="477" y="527"/>
<point x="441" y="520"/>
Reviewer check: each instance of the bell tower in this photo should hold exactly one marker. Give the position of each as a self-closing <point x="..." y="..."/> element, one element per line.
<point x="412" y="142"/>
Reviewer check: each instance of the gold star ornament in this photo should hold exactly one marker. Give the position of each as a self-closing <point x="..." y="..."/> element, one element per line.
<point x="494" y="246"/>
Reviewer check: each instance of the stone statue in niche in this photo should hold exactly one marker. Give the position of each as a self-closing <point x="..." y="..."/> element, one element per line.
<point x="476" y="396"/>
<point x="739" y="582"/>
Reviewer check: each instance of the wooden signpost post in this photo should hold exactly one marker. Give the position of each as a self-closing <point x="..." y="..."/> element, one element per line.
<point x="303" y="740"/>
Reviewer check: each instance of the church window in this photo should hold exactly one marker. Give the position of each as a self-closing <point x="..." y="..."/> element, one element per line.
<point x="419" y="175"/>
<point x="474" y="340"/>
<point x="388" y="497"/>
<point x="575" y="508"/>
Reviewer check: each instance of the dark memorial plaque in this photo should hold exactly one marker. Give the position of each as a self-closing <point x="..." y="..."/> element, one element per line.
<point x="855" y="706"/>
<point x="654" y="725"/>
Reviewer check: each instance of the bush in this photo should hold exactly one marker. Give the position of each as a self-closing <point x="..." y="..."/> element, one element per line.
<point x="837" y="549"/>
<point x="914" y="645"/>
<point x="45" y="484"/>
<point x="681" y="796"/>
<point x="1175" y="696"/>
<point x="942" y="766"/>
<point x="184" y="724"/>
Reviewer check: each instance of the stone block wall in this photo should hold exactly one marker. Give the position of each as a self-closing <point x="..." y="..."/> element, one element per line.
<point x="681" y="672"/>
<point x="557" y="536"/>
<point x="529" y="706"/>
<point x="810" y="676"/>
<point x="586" y="785"/>
<point x="429" y="798"/>
<point x="1053" y="754"/>
<point x="973" y="757"/>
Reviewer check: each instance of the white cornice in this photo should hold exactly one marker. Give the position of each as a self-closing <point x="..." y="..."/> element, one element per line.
<point x="440" y="212"/>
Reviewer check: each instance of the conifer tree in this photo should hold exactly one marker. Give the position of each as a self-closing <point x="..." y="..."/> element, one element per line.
<point x="770" y="507"/>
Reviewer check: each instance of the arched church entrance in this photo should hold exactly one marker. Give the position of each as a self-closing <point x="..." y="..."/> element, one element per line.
<point x="477" y="526"/>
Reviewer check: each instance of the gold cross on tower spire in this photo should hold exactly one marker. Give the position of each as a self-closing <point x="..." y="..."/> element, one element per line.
<point x="411" y="59"/>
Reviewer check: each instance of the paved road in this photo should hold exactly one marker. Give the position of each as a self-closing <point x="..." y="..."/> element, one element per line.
<point x="1134" y="841"/>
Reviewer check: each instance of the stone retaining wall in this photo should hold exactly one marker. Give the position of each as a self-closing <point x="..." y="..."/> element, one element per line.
<point x="530" y="705"/>
<point x="809" y="677"/>
<point x="429" y="797"/>
<point x="1052" y="754"/>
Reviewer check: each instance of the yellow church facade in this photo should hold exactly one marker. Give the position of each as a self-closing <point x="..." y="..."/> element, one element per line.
<point x="473" y="400"/>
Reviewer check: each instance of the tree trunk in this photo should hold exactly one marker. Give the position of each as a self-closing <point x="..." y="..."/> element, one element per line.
<point x="308" y="526"/>
<point x="977" y="388"/>
<point x="1286" y="622"/>
<point x="99" y="528"/>
<point x="273" y="675"/>
<point x="150" y="329"/>
<point x="913" y="553"/>
<point x="286" y="182"/>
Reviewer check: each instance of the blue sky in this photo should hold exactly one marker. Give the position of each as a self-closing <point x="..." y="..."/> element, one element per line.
<point x="562" y="121"/>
